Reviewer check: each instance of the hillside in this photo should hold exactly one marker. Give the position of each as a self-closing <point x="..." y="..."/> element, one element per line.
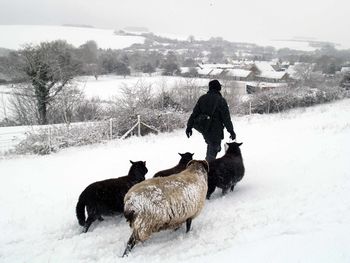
<point x="15" y="36"/>
<point x="291" y="206"/>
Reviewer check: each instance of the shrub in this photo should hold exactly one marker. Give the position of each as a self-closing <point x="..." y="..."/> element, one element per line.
<point x="56" y="137"/>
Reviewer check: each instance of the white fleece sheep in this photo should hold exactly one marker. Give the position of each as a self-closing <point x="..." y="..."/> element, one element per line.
<point x="166" y="202"/>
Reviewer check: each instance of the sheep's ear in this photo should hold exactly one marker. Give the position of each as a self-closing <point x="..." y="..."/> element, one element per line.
<point x="144" y="163"/>
<point x="192" y="154"/>
<point x="239" y="144"/>
<point x="180" y="154"/>
<point x="131" y="162"/>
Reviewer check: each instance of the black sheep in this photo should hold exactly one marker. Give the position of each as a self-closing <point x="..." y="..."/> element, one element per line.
<point x="227" y="171"/>
<point x="107" y="197"/>
<point x="185" y="158"/>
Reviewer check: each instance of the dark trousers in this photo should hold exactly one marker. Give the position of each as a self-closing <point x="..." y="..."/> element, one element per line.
<point x="212" y="150"/>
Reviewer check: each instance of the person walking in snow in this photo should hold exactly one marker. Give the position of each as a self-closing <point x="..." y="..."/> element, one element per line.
<point x="213" y="107"/>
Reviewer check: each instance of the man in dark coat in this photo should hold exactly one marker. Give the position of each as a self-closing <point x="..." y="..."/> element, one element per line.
<point x="220" y="118"/>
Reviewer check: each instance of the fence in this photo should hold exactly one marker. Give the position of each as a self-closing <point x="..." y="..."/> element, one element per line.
<point x="65" y="135"/>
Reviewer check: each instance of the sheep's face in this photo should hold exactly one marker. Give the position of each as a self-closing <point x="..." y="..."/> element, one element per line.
<point x="139" y="169"/>
<point x="233" y="147"/>
<point x="186" y="157"/>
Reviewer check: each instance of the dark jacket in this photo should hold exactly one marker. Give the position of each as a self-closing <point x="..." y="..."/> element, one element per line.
<point x="220" y="119"/>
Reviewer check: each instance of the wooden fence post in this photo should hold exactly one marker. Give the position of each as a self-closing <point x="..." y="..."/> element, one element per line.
<point x="139" y="125"/>
<point x="111" y="128"/>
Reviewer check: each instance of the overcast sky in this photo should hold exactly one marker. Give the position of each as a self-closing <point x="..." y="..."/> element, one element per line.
<point x="234" y="20"/>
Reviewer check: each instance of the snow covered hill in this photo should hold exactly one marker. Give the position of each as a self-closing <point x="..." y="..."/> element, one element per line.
<point x="15" y="36"/>
<point x="291" y="206"/>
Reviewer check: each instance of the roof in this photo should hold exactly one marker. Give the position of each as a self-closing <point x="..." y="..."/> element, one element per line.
<point x="273" y="74"/>
<point x="218" y="66"/>
<point x="266" y="84"/>
<point x="345" y="69"/>
<point x="204" y="71"/>
<point x="241" y="73"/>
<point x="264" y="66"/>
<point x="184" y="69"/>
<point x="216" y="72"/>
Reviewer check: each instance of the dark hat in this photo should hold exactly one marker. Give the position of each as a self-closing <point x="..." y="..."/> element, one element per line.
<point x="214" y="84"/>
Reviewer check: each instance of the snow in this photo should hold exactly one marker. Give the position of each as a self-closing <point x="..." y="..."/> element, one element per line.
<point x="215" y="72"/>
<point x="242" y="73"/>
<point x="215" y="66"/>
<point x="204" y="71"/>
<point x="291" y="206"/>
<point x="264" y="66"/>
<point x="109" y="86"/>
<point x="272" y="74"/>
<point x="345" y="69"/>
<point x="15" y="36"/>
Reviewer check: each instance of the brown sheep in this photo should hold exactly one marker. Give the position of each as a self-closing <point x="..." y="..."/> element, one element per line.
<point x="166" y="202"/>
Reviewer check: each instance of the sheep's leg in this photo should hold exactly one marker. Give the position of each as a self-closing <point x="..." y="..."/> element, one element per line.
<point x="188" y="224"/>
<point x="211" y="189"/>
<point x="232" y="187"/>
<point x="88" y="223"/>
<point x="224" y="190"/>
<point x="131" y="243"/>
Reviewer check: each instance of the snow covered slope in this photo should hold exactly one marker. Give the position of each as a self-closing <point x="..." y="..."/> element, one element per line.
<point x="291" y="206"/>
<point x="15" y="36"/>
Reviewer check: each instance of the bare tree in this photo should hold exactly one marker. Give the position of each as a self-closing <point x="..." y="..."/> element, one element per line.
<point x="49" y="67"/>
<point x="303" y="72"/>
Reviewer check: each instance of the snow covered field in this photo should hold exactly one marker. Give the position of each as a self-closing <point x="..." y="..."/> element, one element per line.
<point x="15" y="36"/>
<point x="291" y="206"/>
<point x="109" y="87"/>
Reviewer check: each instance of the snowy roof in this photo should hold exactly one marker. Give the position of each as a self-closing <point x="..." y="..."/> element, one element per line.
<point x="242" y="73"/>
<point x="266" y="84"/>
<point x="272" y="74"/>
<point x="264" y="66"/>
<point x="219" y="66"/>
<point x="204" y="71"/>
<point x="216" y="72"/>
<point x="345" y="69"/>
<point x="184" y="69"/>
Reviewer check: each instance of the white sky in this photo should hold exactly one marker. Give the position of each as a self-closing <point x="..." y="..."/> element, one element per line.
<point x="234" y="20"/>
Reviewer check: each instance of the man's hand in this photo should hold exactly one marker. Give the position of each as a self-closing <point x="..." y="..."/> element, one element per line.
<point x="188" y="132"/>
<point x="233" y="136"/>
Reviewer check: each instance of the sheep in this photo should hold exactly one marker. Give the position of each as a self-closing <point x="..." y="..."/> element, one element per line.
<point x="165" y="202"/>
<point x="185" y="158"/>
<point x="107" y="197"/>
<point x="227" y="171"/>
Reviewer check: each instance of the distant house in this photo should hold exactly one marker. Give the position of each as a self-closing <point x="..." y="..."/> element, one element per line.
<point x="345" y="69"/>
<point x="204" y="72"/>
<point x="238" y="74"/>
<point x="252" y="87"/>
<point x="244" y="71"/>
<point x="216" y="72"/>
<point x="264" y="71"/>
<point x="215" y="66"/>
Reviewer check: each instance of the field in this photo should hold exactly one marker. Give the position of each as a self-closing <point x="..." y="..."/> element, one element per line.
<point x="291" y="206"/>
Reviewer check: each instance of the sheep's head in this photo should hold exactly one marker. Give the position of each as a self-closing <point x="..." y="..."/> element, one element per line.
<point x="233" y="148"/>
<point x="186" y="157"/>
<point x="138" y="170"/>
